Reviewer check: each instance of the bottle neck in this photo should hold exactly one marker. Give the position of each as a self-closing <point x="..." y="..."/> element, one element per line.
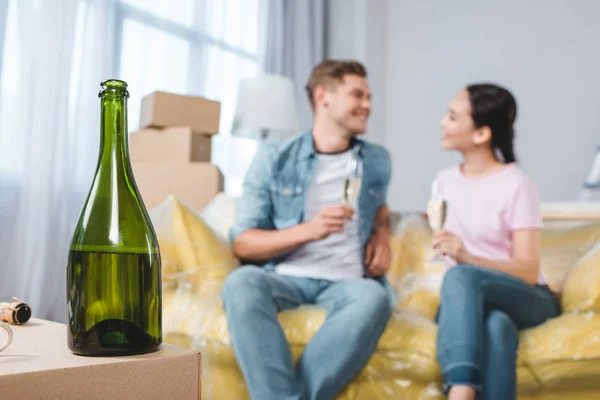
<point x="113" y="127"/>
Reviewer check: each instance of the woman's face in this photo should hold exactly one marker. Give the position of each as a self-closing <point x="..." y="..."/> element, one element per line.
<point x="458" y="130"/>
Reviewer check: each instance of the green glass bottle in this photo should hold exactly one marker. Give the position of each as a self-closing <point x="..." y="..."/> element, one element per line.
<point x="114" y="304"/>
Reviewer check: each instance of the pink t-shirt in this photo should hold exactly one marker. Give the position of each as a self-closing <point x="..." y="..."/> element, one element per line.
<point x="484" y="211"/>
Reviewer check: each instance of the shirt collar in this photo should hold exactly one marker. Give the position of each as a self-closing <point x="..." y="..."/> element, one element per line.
<point x="307" y="146"/>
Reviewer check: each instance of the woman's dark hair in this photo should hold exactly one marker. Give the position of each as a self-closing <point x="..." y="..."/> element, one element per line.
<point x="496" y="108"/>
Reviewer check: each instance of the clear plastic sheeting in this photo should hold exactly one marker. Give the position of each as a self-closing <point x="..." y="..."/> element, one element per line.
<point x="581" y="288"/>
<point x="564" y="243"/>
<point x="559" y="359"/>
<point x="415" y="278"/>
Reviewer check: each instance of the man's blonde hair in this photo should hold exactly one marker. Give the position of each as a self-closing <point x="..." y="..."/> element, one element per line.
<point x="331" y="72"/>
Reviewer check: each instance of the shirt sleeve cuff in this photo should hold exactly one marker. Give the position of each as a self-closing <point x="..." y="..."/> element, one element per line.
<point x="238" y="229"/>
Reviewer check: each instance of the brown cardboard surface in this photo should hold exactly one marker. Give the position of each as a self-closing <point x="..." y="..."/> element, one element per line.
<point x="169" y="145"/>
<point x="194" y="184"/>
<point x="39" y="365"/>
<point x="162" y="109"/>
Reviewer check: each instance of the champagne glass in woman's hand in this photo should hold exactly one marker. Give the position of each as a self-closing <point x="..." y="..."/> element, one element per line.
<point x="437" y="209"/>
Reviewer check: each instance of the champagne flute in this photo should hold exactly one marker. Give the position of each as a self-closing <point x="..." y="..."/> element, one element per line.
<point x="437" y="210"/>
<point x="352" y="184"/>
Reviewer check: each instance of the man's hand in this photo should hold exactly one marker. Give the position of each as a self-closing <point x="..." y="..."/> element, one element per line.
<point x="451" y="245"/>
<point x="329" y="220"/>
<point x="378" y="254"/>
<point x="263" y="245"/>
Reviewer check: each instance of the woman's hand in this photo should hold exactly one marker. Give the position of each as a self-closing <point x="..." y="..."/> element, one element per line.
<point x="524" y="264"/>
<point x="451" y="245"/>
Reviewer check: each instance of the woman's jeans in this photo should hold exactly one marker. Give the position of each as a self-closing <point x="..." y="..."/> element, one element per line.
<point x="481" y="313"/>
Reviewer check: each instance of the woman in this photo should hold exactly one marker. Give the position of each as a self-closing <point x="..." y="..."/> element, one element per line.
<point x="491" y="240"/>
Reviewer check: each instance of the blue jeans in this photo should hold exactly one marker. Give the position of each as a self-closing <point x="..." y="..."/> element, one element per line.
<point x="481" y="313"/>
<point x="357" y="314"/>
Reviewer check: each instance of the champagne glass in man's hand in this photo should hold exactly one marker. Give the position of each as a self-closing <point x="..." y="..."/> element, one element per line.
<point x="352" y="184"/>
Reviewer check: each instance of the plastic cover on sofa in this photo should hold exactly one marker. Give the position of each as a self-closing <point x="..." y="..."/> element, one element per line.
<point x="559" y="359"/>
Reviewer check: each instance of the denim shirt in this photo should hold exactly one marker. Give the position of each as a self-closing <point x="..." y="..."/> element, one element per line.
<point x="280" y="176"/>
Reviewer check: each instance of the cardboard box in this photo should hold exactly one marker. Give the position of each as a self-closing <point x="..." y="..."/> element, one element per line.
<point x="39" y="365"/>
<point x="194" y="184"/>
<point x="162" y="109"/>
<point x="169" y="145"/>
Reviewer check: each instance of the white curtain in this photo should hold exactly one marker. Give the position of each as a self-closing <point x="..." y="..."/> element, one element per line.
<point x="53" y="56"/>
<point x="295" y="44"/>
<point x="53" y="59"/>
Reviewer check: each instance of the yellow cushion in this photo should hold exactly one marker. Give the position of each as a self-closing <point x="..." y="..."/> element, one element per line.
<point x="424" y="302"/>
<point x="581" y="290"/>
<point x="563" y="244"/>
<point x="568" y="337"/>
<point x="190" y="249"/>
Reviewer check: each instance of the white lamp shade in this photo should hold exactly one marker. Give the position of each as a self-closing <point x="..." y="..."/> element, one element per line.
<point x="266" y="103"/>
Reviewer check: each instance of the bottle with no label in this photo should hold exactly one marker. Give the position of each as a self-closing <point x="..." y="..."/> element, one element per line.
<point x="114" y="304"/>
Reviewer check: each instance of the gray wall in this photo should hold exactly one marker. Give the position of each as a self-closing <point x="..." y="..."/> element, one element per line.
<point x="357" y="29"/>
<point x="547" y="52"/>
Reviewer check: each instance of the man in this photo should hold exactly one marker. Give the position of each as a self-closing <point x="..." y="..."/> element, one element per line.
<point x="312" y="249"/>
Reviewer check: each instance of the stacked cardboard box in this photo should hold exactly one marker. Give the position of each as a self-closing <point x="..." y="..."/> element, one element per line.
<point x="171" y="153"/>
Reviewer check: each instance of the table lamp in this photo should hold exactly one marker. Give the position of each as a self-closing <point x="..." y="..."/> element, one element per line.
<point x="266" y="108"/>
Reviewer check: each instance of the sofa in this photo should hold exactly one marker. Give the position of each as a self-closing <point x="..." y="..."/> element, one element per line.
<point x="557" y="360"/>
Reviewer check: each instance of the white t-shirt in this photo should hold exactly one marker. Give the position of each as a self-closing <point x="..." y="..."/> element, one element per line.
<point x="338" y="256"/>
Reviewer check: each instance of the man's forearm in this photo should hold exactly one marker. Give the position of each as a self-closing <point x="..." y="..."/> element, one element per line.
<point x="263" y="245"/>
<point x="381" y="222"/>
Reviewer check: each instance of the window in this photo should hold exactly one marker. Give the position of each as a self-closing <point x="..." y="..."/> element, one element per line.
<point x="200" y="47"/>
<point x="194" y="47"/>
